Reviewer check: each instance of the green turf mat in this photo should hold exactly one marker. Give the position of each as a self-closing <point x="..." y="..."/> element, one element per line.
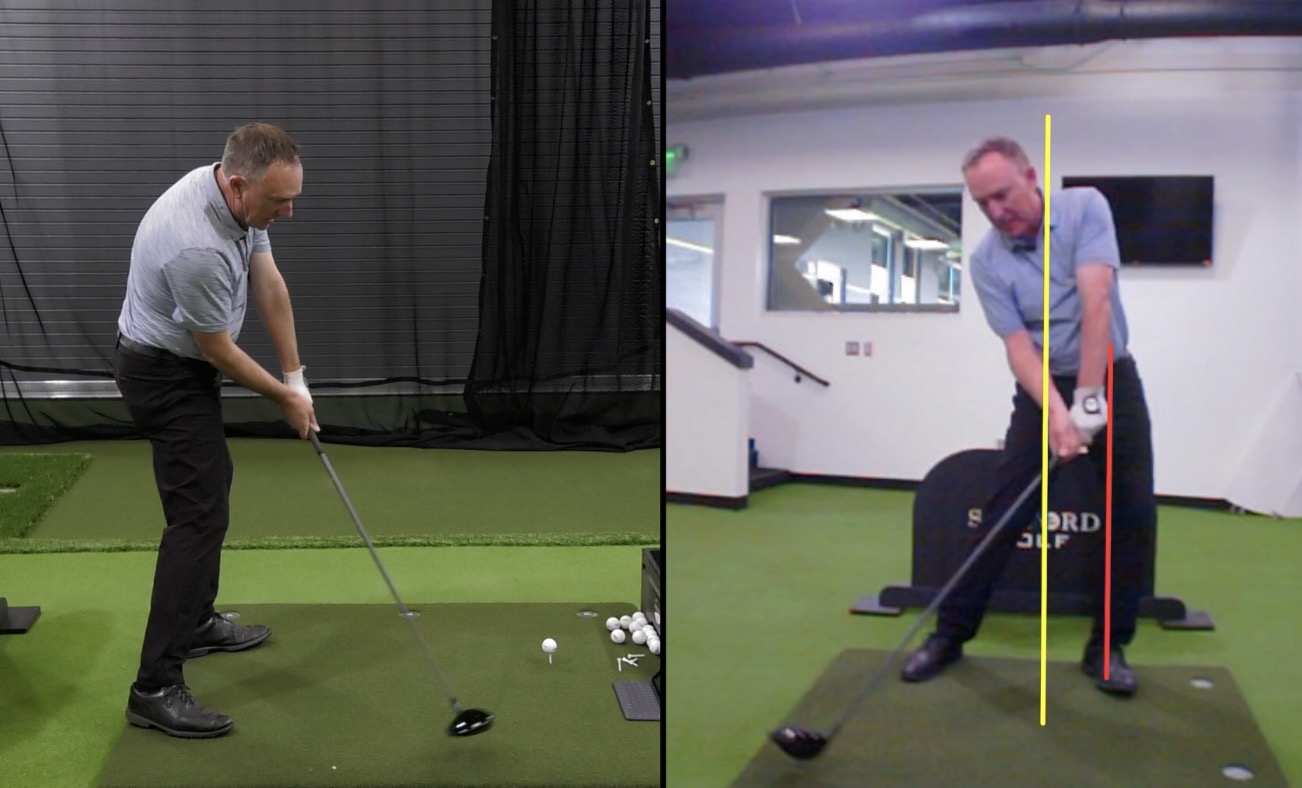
<point x="341" y="696"/>
<point x="283" y="497"/>
<point x="978" y="725"/>
<point x="30" y="483"/>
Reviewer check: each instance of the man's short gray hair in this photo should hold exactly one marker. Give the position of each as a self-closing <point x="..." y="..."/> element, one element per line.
<point x="1004" y="146"/>
<point x="254" y="147"/>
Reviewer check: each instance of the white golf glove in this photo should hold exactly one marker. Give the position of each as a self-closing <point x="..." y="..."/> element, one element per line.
<point x="1089" y="411"/>
<point x="295" y="381"/>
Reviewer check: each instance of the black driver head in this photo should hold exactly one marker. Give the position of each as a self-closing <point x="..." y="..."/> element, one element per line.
<point x="798" y="742"/>
<point x="470" y="722"/>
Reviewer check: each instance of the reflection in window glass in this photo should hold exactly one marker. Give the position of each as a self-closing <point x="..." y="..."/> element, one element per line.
<point x="866" y="251"/>
<point x="691" y="234"/>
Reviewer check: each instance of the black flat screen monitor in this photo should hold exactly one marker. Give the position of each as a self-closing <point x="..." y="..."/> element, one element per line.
<point x="1160" y="220"/>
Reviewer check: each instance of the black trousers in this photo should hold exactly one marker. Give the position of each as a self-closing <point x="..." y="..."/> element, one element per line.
<point x="1134" y="508"/>
<point x="176" y="404"/>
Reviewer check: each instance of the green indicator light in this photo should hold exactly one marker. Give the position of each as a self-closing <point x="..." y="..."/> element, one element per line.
<point x="674" y="157"/>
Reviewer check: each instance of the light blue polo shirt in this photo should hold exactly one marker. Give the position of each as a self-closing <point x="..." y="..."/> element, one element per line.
<point x="189" y="267"/>
<point x="1008" y="274"/>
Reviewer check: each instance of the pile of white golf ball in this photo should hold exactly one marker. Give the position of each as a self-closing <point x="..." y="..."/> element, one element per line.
<point x="636" y="627"/>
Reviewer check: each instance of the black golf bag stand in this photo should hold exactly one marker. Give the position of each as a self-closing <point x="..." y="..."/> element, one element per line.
<point x="948" y="506"/>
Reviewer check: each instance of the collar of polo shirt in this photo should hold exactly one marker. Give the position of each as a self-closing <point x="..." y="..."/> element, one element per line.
<point x="1031" y="243"/>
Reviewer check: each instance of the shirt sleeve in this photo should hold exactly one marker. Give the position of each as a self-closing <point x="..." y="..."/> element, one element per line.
<point x="1096" y="241"/>
<point x="261" y="240"/>
<point x="997" y="299"/>
<point x="203" y="288"/>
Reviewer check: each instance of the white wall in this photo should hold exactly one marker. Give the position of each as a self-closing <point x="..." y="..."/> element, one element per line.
<point x="1215" y="346"/>
<point x="706" y="421"/>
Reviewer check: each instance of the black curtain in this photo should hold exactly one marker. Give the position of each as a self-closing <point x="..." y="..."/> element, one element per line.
<point x="571" y="297"/>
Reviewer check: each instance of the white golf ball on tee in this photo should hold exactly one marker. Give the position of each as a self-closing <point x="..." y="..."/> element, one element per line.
<point x="549" y="645"/>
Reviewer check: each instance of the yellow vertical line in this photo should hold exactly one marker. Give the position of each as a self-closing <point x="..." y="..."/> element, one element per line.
<point x="1044" y="438"/>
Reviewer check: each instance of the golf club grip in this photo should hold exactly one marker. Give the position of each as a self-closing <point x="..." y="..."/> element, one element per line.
<point x="942" y="595"/>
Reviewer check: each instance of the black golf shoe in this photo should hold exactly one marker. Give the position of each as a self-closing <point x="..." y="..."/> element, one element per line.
<point x="931" y="659"/>
<point x="174" y="711"/>
<point x="219" y="634"/>
<point x="1121" y="679"/>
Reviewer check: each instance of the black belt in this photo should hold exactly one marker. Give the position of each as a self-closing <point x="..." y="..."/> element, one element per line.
<point x="148" y="351"/>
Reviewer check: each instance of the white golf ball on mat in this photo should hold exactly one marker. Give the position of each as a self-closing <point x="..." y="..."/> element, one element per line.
<point x="612" y="623"/>
<point x="639" y="637"/>
<point x="654" y="647"/>
<point x="617" y="636"/>
<point x="549" y="645"/>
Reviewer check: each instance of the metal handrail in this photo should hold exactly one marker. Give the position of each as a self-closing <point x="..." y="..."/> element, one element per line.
<point x="800" y="371"/>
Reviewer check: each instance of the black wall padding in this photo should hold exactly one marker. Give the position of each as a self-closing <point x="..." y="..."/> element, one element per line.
<point x="103" y="105"/>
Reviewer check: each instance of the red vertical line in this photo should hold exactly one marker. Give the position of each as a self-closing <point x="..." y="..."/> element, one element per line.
<point x="1107" y="538"/>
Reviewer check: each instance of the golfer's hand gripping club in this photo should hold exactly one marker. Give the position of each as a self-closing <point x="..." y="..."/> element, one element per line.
<point x="298" y="384"/>
<point x="1089" y="411"/>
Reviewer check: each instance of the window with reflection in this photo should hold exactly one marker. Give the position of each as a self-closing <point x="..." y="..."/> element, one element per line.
<point x="897" y="250"/>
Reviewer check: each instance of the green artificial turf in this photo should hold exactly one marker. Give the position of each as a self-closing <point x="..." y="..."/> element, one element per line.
<point x="775" y="581"/>
<point x="283" y="497"/>
<point x="63" y="685"/>
<point x="1187" y="726"/>
<point x="341" y="695"/>
<point x="30" y="483"/>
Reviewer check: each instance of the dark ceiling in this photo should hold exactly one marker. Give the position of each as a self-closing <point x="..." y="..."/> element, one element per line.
<point x="704" y="37"/>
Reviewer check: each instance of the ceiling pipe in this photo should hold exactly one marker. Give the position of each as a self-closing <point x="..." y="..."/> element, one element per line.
<point x="693" y="52"/>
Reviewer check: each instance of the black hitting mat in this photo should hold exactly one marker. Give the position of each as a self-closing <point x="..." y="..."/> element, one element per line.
<point x="979" y="725"/>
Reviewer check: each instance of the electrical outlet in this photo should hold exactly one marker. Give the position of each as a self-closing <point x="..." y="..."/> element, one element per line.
<point x="867" y="348"/>
<point x="852" y="348"/>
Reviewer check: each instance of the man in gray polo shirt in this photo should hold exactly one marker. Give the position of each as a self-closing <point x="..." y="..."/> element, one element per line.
<point x="1085" y="316"/>
<point x="199" y="252"/>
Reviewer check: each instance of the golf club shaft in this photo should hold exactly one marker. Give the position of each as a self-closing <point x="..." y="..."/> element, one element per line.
<point x="941" y="596"/>
<point x="406" y="613"/>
